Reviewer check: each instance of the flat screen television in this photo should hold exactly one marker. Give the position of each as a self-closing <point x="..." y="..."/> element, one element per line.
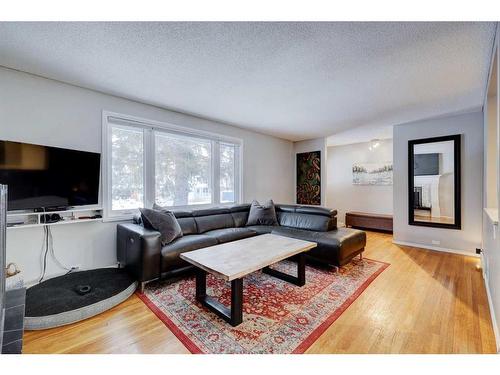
<point x="48" y="177"/>
<point x="426" y="164"/>
<point x="3" y="225"/>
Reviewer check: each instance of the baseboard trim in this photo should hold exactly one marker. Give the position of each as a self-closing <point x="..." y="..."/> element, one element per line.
<point x="492" y="313"/>
<point x="435" y="248"/>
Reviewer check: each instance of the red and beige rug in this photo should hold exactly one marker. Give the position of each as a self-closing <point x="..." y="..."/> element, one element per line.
<point x="278" y="317"/>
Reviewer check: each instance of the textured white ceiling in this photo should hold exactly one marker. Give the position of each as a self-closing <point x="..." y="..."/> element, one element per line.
<point x="360" y="134"/>
<point x="294" y="80"/>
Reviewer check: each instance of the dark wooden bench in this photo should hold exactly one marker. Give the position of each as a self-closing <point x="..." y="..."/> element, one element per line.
<point x="369" y="221"/>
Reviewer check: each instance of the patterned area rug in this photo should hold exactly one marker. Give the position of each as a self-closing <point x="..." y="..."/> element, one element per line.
<point x="278" y="317"/>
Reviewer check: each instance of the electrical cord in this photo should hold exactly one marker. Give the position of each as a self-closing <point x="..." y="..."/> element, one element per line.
<point x="45" y="248"/>
<point x="45" y="251"/>
<point x="53" y="253"/>
<point x="48" y="247"/>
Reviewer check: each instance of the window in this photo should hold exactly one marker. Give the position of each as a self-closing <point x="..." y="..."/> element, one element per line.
<point x="227" y="172"/>
<point x="127" y="168"/>
<point x="183" y="169"/>
<point x="148" y="162"/>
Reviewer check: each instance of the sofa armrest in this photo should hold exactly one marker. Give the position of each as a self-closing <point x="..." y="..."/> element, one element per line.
<point x="139" y="251"/>
<point x="332" y="224"/>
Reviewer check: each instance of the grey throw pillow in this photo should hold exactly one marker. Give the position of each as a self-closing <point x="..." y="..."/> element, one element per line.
<point x="264" y="214"/>
<point x="162" y="221"/>
<point x="157" y="207"/>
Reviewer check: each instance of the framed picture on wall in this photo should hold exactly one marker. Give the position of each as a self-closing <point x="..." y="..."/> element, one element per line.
<point x="372" y="173"/>
<point x="308" y="187"/>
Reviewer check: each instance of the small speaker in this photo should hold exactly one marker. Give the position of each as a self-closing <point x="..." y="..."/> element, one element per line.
<point x="83" y="289"/>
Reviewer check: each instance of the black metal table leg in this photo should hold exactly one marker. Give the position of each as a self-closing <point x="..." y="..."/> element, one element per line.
<point x="201" y="284"/>
<point x="234" y="314"/>
<point x="236" y="302"/>
<point x="301" y="269"/>
<point x="299" y="280"/>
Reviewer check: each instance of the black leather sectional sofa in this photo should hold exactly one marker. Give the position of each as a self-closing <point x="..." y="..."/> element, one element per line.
<point x="141" y="253"/>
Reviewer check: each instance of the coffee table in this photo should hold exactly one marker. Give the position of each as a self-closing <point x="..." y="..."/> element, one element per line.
<point x="234" y="260"/>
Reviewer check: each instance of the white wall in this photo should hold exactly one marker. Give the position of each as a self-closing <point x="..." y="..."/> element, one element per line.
<point x="341" y="194"/>
<point x="467" y="239"/>
<point x="490" y="258"/>
<point x="43" y="111"/>
<point x="491" y="152"/>
<point x="317" y="144"/>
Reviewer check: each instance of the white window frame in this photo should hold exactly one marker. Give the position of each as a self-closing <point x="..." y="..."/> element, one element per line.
<point x="150" y="127"/>
<point x="238" y="182"/>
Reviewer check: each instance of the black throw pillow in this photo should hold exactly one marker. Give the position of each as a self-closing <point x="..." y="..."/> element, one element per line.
<point x="262" y="214"/>
<point x="164" y="222"/>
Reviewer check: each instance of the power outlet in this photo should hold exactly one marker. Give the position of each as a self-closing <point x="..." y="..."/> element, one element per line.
<point x="436" y="242"/>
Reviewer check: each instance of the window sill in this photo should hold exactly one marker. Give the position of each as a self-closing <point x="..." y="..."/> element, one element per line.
<point x="200" y="206"/>
<point x="492" y="214"/>
<point x="111" y="219"/>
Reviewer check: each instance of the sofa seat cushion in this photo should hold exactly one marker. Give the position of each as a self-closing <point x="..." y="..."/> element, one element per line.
<point x="170" y="253"/>
<point x="336" y="247"/>
<point x="230" y="234"/>
<point x="262" y="229"/>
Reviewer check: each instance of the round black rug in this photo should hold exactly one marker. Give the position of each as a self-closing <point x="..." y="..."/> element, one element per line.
<point x="77" y="296"/>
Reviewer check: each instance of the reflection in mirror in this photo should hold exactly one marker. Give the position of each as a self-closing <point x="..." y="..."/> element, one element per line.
<point x="434" y="199"/>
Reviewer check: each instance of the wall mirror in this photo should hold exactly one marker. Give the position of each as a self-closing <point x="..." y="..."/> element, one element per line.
<point x="434" y="182"/>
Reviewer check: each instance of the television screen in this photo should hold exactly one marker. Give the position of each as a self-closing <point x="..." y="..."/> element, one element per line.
<point x="426" y="164"/>
<point x="44" y="177"/>
<point x="3" y="224"/>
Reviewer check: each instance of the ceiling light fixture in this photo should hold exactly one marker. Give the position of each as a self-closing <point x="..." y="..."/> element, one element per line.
<point x="374" y="143"/>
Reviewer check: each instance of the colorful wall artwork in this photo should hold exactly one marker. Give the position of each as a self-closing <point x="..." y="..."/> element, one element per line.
<point x="309" y="178"/>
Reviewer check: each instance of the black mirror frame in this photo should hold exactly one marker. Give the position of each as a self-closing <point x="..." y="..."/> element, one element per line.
<point x="457" y="171"/>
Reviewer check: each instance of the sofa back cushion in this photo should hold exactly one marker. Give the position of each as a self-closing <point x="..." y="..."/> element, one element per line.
<point x="304" y="221"/>
<point x="214" y="218"/>
<point x="293" y="216"/>
<point x="188" y="225"/>
<point x="240" y="214"/>
<point x="318" y="219"/>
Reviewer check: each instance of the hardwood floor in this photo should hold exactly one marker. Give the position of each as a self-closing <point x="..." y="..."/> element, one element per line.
<point x="425" y="302"/>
